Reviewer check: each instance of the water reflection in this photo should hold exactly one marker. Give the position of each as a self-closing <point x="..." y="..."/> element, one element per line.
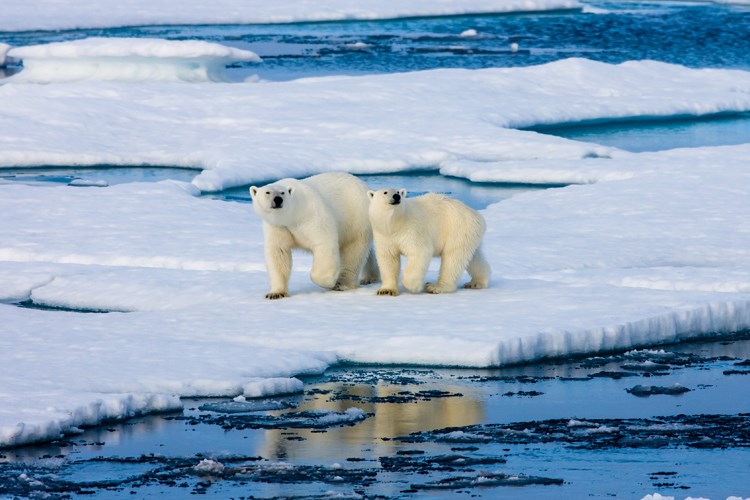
<point x="464" y="406"/>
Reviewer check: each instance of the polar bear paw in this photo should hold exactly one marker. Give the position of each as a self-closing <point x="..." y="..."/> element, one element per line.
<point x="388" y="291"/>
<point x="340" y="287"/>
<point x="434" y="288"/>
<point x="473" y="285"/>
<point x="276" y="295"/>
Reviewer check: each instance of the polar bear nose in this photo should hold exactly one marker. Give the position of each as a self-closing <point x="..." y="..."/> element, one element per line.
<point x="396" y="199"/>
<point x="277" y="201"/>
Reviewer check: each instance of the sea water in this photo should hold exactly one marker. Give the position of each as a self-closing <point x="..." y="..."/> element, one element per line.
<point x="396" y="451"/>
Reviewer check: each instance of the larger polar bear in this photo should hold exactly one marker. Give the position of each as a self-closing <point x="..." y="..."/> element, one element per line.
<point x="325" y="214"/>
<point x="421" y="228"/>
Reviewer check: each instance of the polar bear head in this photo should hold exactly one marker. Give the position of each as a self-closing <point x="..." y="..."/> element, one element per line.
<point x="273" y="202"/>
<point x="384" y="204"/>
<point x="387" y="196"/>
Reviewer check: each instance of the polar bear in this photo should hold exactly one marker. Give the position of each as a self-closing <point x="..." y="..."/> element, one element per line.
<point x="420" y="228"/>
<point x="327" y="215"/>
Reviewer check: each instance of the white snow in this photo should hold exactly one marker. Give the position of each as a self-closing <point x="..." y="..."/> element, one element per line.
<point x="650" y="248"/>
<point x="21" y="15"/>
<point x="256" y="132"/>
<point x="127" y="59"/>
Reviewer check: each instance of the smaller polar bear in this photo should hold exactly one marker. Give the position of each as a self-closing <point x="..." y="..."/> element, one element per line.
<point x="327" y="215"/>
<point x="420" y="228"/>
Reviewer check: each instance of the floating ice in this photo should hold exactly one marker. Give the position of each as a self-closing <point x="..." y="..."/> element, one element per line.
<point x="652" y="250"/>
<point x="251" y="133"/>
<point x="4" y="48"/>
<point x="209" y="467"/>
<point x="127" y="60"/>
<point x="20" y="15"/>
<point x="271" y="386"/>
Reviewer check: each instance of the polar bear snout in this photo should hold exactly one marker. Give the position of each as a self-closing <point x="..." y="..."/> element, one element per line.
<point x="277" y="202"/>
<point x="395" y="199"/>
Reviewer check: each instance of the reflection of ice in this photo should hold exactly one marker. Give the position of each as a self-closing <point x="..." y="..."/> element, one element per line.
<point x="388" y="420"/>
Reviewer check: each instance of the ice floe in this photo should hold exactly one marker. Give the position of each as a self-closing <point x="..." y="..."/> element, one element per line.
<point x="127" y="59"/>
<point x="21" y="15"/>
<point x="651" y="248"/>
<point x="383" y="123"/>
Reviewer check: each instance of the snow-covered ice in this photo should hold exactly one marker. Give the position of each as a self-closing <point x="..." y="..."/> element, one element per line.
<point x="648" y="248"/>
<point x="127" y="59"/>
<point x="20" y="15"/>
<point x="263" y="131"/>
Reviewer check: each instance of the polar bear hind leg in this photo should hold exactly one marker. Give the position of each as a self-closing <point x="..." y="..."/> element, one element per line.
<point x="353" y="257"/>
<point x="370" y="273"/>
<point x="453" y="262"/>
<point x="326" y="266"/>
<point x="479" y="270"/>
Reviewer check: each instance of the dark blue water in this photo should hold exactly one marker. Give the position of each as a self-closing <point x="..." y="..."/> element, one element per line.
<point x="692" y="34"/>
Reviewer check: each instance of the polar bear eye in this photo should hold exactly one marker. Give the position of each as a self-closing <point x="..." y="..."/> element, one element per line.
<point x="268" y="192"/>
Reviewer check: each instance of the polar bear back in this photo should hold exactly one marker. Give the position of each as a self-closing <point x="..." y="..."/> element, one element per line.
<point x="345" y="197"/>
<point x="442" y="220"/>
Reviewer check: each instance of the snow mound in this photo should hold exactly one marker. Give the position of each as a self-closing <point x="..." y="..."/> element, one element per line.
<point x="127" y="59"/>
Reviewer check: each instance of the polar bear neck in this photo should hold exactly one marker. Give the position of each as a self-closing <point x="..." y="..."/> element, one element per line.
<point x="390" y="216"/>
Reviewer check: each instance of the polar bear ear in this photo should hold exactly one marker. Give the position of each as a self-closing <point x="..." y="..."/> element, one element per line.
<point x="371" y="193"/>
<point x="253" y="191"/>
<point x="289" y="190"/>
<point x="402" y="192"/>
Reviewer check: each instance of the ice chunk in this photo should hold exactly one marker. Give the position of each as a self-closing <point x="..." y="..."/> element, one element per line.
<point x="4" y="48"/>
<point x="127" y="59"/>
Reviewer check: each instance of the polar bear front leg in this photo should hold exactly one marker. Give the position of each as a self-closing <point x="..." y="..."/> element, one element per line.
<point x="389" y="262"/>
<point x="415" y="270"/>
<point x="326" y="265"/>
<point x="279" y="265"/>
<point x="278" y="252"/>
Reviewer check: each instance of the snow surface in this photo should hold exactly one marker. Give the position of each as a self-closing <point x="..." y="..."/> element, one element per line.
<point x="649" y="248"/>
<point x="127" y="59"/>
<point x="21" y="15"/>
<point x="264" y="131"/>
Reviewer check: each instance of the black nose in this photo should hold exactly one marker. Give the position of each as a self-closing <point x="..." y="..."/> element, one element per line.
<point x="396" y="197"/>
<point x="278" y="201"/>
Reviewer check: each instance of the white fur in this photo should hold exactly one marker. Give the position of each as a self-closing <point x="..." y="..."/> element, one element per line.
<point x="324" y="214"/>
<point x="421" y="228"/>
